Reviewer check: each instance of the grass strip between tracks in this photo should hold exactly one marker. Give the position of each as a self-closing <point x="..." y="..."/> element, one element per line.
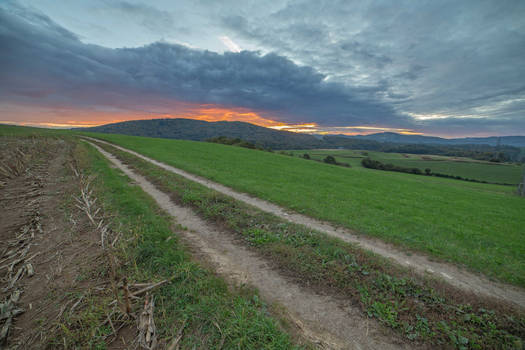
<point x="473" y="225"/>
<point x="195" y="304"/>
<point x="418" y="310"/>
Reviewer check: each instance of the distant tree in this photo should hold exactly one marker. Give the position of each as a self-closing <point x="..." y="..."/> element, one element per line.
<point x="369" y="163"/>
<point x="306" y="156"/>
<point x="234" y="142"/>
<point x="428" y="171"/>
<point x="246" y="145"/>
<point x="284" y="153"/>
<point x="329" y="160"/>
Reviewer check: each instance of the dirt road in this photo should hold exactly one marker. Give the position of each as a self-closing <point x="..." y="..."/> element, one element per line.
<point x="322" y="319"/>
<point x="420" y="263"/>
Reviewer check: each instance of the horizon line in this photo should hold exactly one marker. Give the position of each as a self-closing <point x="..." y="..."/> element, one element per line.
<point x="305" y="129"/>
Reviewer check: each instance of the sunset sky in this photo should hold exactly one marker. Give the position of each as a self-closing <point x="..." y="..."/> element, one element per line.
<point x="445" y="68"/>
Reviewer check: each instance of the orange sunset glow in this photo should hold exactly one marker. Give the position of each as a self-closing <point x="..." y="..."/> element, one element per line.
<point x="67" y="118"/>
<point x="78" y="118"/>
<point x="215" y="114"/>
<point x="60" y="117"/>
<point x="74" y="65"/>
<point x="314" y="128"/>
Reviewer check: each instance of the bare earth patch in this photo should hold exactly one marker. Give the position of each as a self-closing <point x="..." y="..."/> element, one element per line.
<point x="51" y="260"/>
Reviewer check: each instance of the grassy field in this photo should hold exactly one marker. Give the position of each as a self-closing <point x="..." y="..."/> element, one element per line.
<point x="417" y="309"/>
<point x="464" y="167"/>
<point x="210" y="313"/>
<point x="24" y="131"/>
<point x="476" y="225"/>
<point x="195" y="306"/>
<point x="196" y="300"/>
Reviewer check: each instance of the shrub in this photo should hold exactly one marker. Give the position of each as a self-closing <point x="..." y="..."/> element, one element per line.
<point x="329" y="160"/>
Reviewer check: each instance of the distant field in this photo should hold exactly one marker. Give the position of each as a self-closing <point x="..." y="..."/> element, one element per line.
<point x="464" y="167"/>
<point x="478" y="225"/>
<point x="14" y="130"/>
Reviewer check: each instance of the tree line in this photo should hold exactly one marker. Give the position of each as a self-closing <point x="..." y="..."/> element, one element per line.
<point x="375" y="164"/>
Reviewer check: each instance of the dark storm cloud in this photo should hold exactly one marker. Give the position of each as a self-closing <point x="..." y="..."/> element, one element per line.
<point x="425" y="57"/>
<point x="44" y="64"/>
<point x="334" y="62"/>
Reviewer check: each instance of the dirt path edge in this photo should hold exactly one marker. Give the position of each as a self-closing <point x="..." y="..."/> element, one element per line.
<point x="325" y="321"/>
<point x="420" y="263"/>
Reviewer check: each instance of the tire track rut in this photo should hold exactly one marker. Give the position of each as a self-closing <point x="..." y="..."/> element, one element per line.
<point x="323" y="320"/>
<point x="420" y="263"/>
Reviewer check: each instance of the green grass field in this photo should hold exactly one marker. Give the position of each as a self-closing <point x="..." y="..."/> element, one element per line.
<point x="413" y="308"/>
<point x="476" y="225"/>
<point x="464" y="167"/>
<point x="208" y="310"/>
<point x="23" y="131"/>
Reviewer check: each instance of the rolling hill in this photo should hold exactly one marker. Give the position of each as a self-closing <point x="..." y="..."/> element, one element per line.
<point x="197" y="130"/>
<point x="516" y="141"/>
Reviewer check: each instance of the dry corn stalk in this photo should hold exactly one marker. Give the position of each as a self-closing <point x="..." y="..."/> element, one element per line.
<point x="147" y="338"/>
<point x="146" y="325"/>
<point x="8" y="311"/>
<point x="13" y="163"/>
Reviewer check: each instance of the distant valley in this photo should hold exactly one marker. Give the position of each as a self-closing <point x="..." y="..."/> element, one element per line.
<point x="505" y="148"/>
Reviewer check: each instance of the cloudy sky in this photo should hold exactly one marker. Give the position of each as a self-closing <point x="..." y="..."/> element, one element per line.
<point x="446" y="68"/>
